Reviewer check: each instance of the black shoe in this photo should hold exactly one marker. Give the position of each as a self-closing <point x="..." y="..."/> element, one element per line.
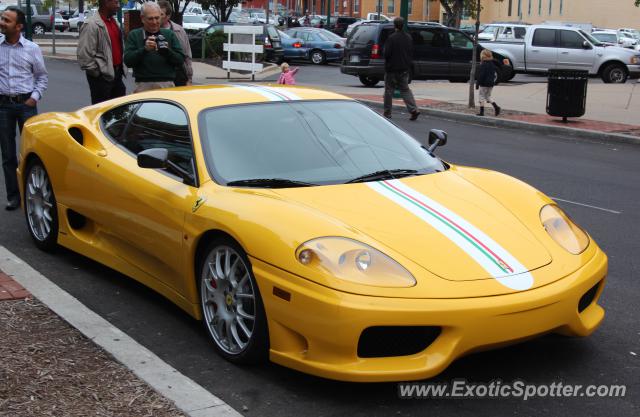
<point x="414" y="115"/>
<point x="12" y="205"/>
<point x="387" y="114"/>
<point x="496" y="108"/>
<point x="481" y="112"/>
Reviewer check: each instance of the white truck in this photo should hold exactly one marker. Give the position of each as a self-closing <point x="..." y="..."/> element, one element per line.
<point x="548" y="47"/>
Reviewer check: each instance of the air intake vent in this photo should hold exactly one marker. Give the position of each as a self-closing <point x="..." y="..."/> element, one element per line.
<point x="386" y="341"/>
<point x="76" y="133"/>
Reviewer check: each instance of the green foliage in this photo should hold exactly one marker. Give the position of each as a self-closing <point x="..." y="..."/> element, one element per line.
<point x="455" y="8"/>
<point x="220" y="9"/>
<point x="213" y="44"/>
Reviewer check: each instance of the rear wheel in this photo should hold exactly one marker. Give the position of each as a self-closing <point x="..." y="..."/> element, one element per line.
<point x="317" y="57"/>
<point x="614" y="74"/>
<point x="368" y="80"/>
<point x="40" y="207"/>
<point x="507" y="74"/>
<point x="38" y="29"/>
<point x="232" y="308"/>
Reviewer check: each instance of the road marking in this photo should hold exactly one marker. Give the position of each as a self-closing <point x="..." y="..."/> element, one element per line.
<point x="587" y="205"/>
<point x="188" y="396"/>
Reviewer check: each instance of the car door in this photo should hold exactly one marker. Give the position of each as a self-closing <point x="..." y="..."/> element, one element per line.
<point x="460" y="53"/>
<point x="542" y="55"/>
<point x="430" y="52"/>
<point x="143" y="210"/>
<point x="572" y="54"/>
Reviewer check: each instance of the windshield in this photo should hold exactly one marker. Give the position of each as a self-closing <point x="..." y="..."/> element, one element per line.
<point x="193" y="19"/>
<point x="316" y="142"/>
<point x="591" y="38"/>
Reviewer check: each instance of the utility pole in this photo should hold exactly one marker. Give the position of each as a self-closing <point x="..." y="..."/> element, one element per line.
<point x="29" y="32"/>
<point x="472" y="76"/>
<point x="329" y="14"/>
<point x="404" y="12"/>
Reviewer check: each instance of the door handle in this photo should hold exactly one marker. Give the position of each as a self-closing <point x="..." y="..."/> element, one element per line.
<point x="535" y="50"/>
<point x="565" y="53"/>
<point x="102" y="153"/>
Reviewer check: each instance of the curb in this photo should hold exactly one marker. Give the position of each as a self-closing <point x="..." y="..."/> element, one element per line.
<point x="188" y="396"/>
<point x="517" y="124"/>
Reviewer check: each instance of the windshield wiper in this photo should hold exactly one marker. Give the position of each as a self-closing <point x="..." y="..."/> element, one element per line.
<point x="384" y="174"/>
<point x="270" y="183"/>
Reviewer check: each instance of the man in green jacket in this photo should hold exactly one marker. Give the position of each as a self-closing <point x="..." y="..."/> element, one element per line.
<point x="153" y="53"/>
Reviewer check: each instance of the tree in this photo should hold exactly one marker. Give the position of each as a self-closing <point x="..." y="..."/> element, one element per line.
<point x="455" y="8"/>
<point x="174" y="3"/>
<point x="220" y="9"/>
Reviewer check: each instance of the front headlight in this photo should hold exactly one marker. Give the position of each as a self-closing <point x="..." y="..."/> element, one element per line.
<point x="353" y="261"/>
<point x="635" y="60"/>
<point x="563" y="230"/>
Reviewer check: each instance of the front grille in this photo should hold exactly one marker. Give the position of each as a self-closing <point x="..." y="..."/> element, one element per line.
<point x="588" y="297"/>
<point x="387" y="341"/>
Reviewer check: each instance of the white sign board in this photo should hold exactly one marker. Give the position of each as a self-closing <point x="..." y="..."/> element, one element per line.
<point x="249" y="48"/>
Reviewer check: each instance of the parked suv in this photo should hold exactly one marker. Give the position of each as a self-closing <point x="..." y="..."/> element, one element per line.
<point x="438" y="53"/>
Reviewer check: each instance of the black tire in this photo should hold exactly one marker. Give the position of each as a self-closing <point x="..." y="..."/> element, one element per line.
<point x="40" y="206"/>
<point x="507" y="74"/>
<point x="39" y="29"/>
<point x="615" y="74"/>
<point x="318" y="57"/>
<point x="219" y="301"/>
<point x="368" y="81"/>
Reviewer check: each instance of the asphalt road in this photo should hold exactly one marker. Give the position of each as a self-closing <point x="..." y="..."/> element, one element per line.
<point x="591" y="173"/>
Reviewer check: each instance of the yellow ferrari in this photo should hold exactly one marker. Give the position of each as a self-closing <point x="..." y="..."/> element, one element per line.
<point x="302" y="227"/>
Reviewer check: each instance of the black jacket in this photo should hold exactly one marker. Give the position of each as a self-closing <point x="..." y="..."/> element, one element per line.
<point x="487" y="74"/>
<point x="398" y="52"/>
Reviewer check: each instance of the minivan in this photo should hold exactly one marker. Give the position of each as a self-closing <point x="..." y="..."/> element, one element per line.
<point x="438" y="53"/>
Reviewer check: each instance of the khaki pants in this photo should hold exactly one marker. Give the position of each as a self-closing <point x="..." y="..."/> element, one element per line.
<point x="152" y="85"/>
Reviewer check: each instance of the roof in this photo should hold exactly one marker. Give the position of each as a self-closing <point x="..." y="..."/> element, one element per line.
<point x="196" y="98"/>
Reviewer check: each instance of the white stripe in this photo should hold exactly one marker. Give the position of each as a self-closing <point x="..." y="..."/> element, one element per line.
<point x="264" y="93"/>
<point x="520" y="279"/>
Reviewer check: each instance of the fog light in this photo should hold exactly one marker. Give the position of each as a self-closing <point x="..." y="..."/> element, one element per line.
<point x="305" y="256"/>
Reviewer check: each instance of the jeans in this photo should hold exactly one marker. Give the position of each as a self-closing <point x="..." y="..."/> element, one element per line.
<point x="103" y="90"/>
<point x="400" y="81"/>
<point x="10" y="115"/>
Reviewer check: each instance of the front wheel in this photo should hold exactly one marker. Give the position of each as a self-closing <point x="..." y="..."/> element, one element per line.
<point x="614" y="74"/>
<point x="40" y="207"/>
<point x="38" y="29"/>
<point x="232" y="308"/>
<point x="369" y="81"/>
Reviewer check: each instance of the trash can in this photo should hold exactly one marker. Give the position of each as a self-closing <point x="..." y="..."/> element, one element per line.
<point x="567" y="93"/>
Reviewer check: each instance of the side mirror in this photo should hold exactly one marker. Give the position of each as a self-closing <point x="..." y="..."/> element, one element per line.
<point x="153" y="158"/>
<point x="586" y="45"/>
<point x="437" y="138"/>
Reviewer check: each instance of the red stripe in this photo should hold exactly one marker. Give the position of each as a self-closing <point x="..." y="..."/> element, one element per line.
<point x="452" y="222"/>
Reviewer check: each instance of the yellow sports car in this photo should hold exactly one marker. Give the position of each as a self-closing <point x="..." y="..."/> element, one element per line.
<point x="301" y="226"/>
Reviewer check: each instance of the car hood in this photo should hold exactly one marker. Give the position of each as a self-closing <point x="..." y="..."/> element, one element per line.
<point x="440" y="221"/>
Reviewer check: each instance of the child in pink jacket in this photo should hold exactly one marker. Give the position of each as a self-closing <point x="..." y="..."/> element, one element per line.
<point x="288" y="75"/>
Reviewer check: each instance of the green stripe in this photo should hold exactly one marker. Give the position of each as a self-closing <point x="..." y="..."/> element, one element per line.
<point x="455" y="229"/>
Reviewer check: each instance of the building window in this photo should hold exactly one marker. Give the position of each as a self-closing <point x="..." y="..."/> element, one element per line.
<point x="530" y="1"/>
<point x="550" y="6"/>
<point x="519" y="8"/>
<point x="539" y="7"/>
<point x="356" y="6"/>
<point x="510" y="6"/>
<point x="336" y="6"/>
<point x="410" y="8"/>
<point x="561" y="4"/>
<point x="391" y="6"/>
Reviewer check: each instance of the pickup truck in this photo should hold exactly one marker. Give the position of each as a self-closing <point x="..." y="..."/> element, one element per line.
<point x="548" y="47"/>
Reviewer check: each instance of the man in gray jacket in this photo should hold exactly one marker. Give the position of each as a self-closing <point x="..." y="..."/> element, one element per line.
<point x="100" y="51"/>
<point x="184" y="73"/>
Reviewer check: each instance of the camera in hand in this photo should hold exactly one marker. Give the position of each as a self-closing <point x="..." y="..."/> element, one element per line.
<point x="163" y="44"/>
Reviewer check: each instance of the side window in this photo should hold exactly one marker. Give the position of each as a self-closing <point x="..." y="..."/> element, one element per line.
<point x="544" y="38"/>
<point x="114" y="122"/>
<point x="570" y="39"/>
<point x="161" y="125"/>
<point x="459" y="40"/>
<point x="520" y="32"/>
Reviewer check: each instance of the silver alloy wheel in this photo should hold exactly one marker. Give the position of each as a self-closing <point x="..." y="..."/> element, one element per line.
<point x="38" y="30"/>
<point x="617" y="75"/>
<point x="228" y="299"/>
<point x="317" y="57"/>
<point x="39" y="203"/>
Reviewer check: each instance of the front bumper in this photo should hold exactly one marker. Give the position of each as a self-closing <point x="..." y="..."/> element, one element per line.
<point x="634" y="71"/>
<point x="318" y="329"/>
